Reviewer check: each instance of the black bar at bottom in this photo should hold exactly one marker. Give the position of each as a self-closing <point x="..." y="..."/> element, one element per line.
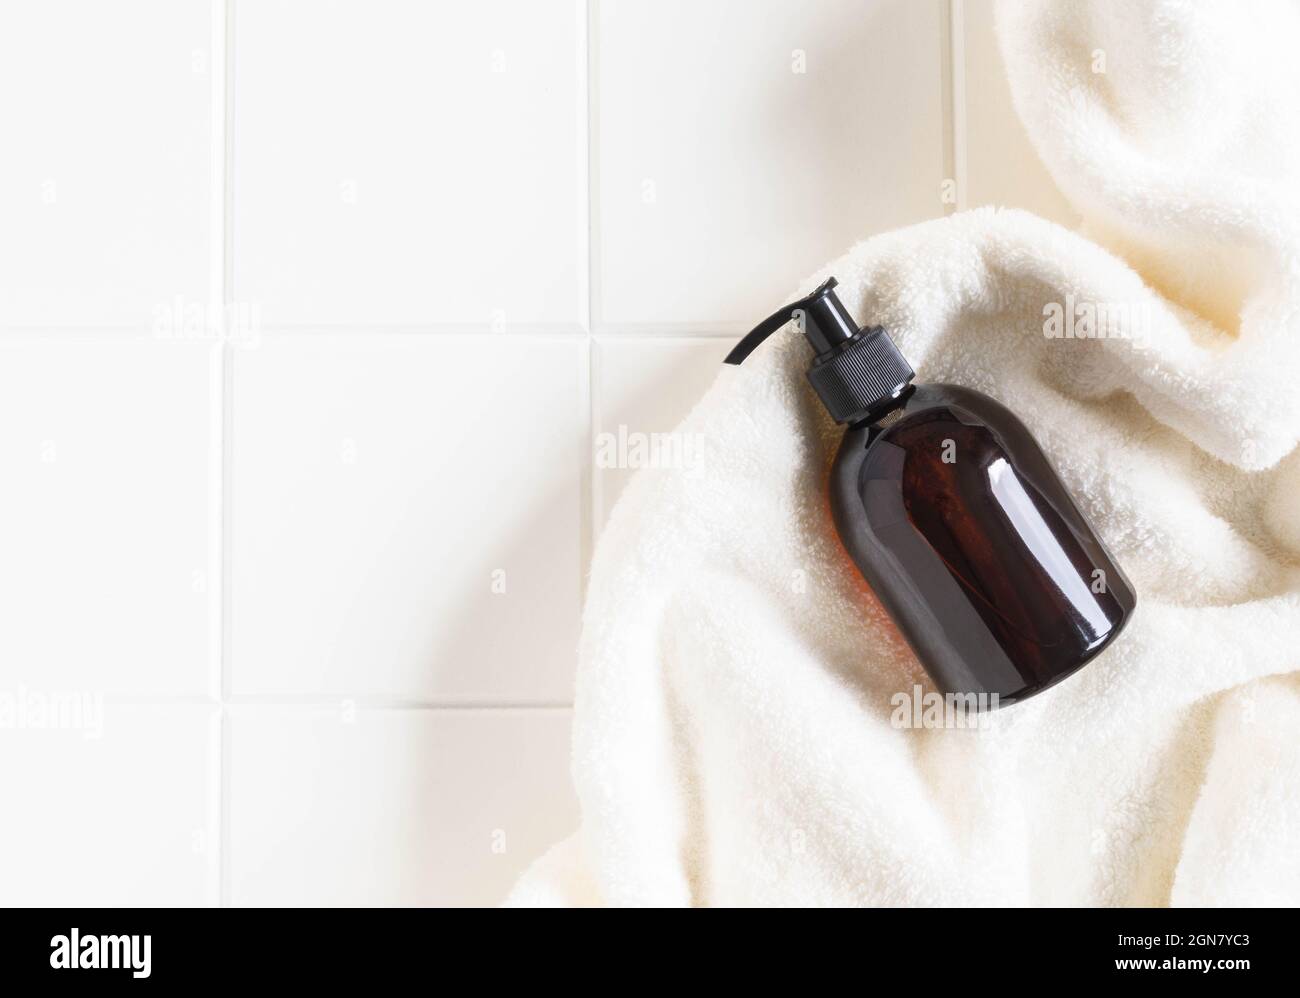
<point x="141" y="948"/>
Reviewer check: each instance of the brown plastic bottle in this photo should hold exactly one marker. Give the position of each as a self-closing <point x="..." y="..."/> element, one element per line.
<point x="955" y="518"/>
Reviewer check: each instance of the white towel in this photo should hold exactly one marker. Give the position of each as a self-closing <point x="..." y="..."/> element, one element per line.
<point x="733" y="742"/>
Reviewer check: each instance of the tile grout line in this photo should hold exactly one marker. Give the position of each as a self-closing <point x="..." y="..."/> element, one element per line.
<point x="595" y="314"/>
<point x="586" y="407"/>
<point x="721" y="329"/>
<point x="216" y="445"/>
<point x="223" y="15"/>
<point x="321" y="702"/>
<point x="294" y="701"/>
<point x="582" y="157"/>
<point x="469" y="330"/>
<point x="956" y="58"/>
<point x="216" y="380"/>
<point x="333" y="702"/>
<point x="594" y="494"/>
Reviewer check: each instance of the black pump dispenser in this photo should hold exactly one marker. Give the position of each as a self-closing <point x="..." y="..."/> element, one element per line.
<point x="855" y="370"/>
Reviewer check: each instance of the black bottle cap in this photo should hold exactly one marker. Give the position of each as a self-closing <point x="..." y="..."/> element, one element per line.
<point x="854" y="371"/>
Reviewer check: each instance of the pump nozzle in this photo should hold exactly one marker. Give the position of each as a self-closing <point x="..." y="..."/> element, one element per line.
<point x="822" y="318"/>
<point x="855" y="369"/>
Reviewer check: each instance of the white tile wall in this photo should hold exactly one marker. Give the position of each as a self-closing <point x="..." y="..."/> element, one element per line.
<point x="106" y="449"/>
<point x="740" y="143"/>
<point x="410" y="162"/>
<point x="116" y="807"/>
<point x="351" y="806"/>
<point x="405" y="516"/>
<point x="104" y="181"/>
<point x="305" y="575"/>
